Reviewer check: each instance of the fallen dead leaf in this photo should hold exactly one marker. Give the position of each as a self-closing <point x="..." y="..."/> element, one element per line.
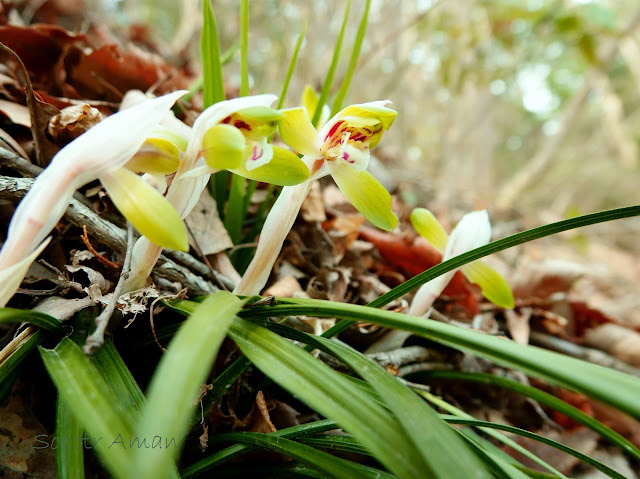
<point x="24" y="443"/>
<point x="518" y="324"/>
<point x="72" y="122"/>
<point x="616" y="340"/>
<point x="17" y="113"/>
<point x="312" y="209"/>
<point x="208" y="232"/>
<point x="285" y="287"/>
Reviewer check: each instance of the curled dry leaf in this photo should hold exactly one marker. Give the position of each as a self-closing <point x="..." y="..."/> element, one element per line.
<point x="72" y="122"/>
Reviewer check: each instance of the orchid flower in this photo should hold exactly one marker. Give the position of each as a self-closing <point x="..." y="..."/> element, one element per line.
<point x="231" y="135"/>
<point x="473" y="231"/>
<point x="100" y="153"/>
<point x="341" y="149"/>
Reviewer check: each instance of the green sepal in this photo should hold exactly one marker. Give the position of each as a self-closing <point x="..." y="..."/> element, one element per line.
<point x="156" y="155"/>
<point x="364" y="192"/>
<point x="427" y="226"/>
<point x="297" y="131"/>
<point x="223" y="147"/>
<point x="146" y="209"/>
<point x="494" y="287"/>
<point x="260" y="114"/>
<point x="284" y="169"/>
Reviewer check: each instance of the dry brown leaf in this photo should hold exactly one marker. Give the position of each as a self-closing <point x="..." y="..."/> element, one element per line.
<point x="208" y="232"/>
<point x="518" y="324"/>
<point x="72" y="122"/>
<point x="25" y="446"/>
<point x="312" y="209"/>
<point x="621" y="342"/>
<point x="284" y="288"/>
<point x="108" y="72"/>
<point x="17" y="113"/>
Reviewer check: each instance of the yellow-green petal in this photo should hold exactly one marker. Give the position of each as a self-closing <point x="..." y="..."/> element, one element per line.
<point x="156" y="156"/>
<point x="429" y="228"/>
<point x="494" y="287"/>
<point x="260" y="114"/>
<point x="310" y="100"/>
<point x="297" y="131"/>
<point x="146" y="209"/>
<point x="165" y="133"/>
<point x="375" y="109"/>
<point x="284" y="169"/>
<point x="365" y="193"/>
<point x="223" y="147"/>
<point x="360" y="121"/>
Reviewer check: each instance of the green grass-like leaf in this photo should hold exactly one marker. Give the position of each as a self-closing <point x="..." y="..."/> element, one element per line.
<point x="432" y="438"/>
<point x="609" y="386"/>
<point x="329" y="393"/>
<point x="42" y="320"/>
<point x="493" y="247"/>
<point x="290" y="70"/>
<point x="326" y="86"/>
<point x="543" y="398"/>
<point x="198" y="84"/>
<point x="15" y="358"/>
<point x="330" y="465"/>
<point x="109" y="363"/>
<point x="177" y="380"/>
<point x="213" y="83"/>
<point x="70" y="456"/>
<point x="537" y="437"/>
<point x="236" y="450"/>
<point x="90" y="399"/>
<point x="436" y="401"/>
<point x="353" y="61"/>
<point x="244" y="48"/>
<point x="505" y="243"/>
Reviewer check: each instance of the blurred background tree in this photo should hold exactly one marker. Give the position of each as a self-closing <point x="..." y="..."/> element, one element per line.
<point x="510" y="105"/>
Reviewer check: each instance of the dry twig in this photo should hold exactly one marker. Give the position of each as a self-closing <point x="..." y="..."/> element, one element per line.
<point x="96" y="339"/>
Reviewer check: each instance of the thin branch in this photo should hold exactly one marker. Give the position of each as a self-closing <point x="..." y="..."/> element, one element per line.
<point x="111" y="236"/>
<point x="96" y="339"/>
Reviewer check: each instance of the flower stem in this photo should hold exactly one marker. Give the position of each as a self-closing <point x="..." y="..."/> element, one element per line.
<point x="276" y="228"/>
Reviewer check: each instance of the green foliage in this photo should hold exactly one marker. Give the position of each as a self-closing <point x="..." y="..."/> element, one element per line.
<point x="213" y="83"/>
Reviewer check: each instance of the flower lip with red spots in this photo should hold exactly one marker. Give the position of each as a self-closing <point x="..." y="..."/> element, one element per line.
<point x="348" y="136"/>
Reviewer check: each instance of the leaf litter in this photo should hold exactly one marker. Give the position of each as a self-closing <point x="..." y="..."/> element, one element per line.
<point x="70" y="81"/>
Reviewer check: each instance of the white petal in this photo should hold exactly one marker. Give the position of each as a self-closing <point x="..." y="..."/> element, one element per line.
<point x="12" y="276"/>
<point x="261" y="154"/>
<point x="113" y="141"/>
<point x="276" y="228"/>
<point x="473" y="231"/>
<point x="37" y="213"/>
<point x="358" y="159"/>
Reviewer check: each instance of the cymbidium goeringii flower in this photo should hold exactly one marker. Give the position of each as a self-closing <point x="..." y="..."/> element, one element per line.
<point x="232" y="135"/>
<point x="341" y="149"/>
<point x="100" y="153"/>
<point x="473" y="231"/>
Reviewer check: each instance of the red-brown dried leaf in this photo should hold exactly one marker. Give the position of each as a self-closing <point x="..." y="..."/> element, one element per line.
<point x="40" y="47"/>
<point x="415" y="257"/>
<point x="108" y="72"/>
